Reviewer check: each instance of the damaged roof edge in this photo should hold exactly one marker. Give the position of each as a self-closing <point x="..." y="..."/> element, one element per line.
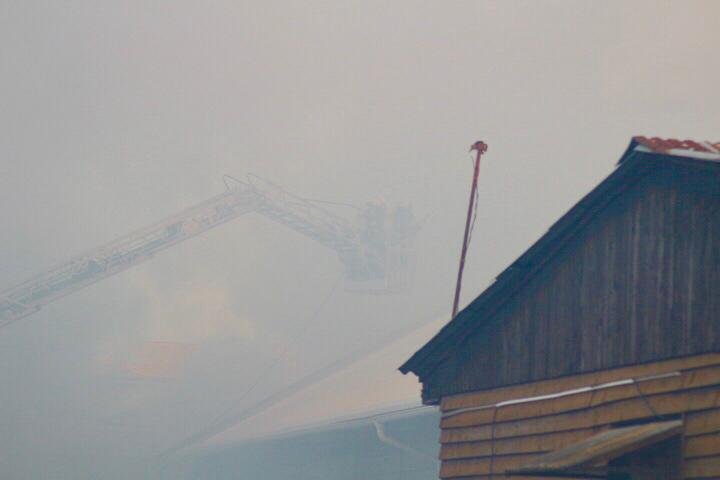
<point x="630" y="169"/>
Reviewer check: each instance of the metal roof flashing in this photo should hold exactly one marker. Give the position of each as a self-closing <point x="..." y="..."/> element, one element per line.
<point x="678" y="148"/>
<point x="678" y="152"/>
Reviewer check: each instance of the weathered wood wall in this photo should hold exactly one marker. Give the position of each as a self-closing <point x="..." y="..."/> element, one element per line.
<point x="478" y="443"/>
<point x="639" y="283"/>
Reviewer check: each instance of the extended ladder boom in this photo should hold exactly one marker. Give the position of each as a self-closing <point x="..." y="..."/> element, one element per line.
<point x="121" y="254"/>
<point x="363" y="255"/>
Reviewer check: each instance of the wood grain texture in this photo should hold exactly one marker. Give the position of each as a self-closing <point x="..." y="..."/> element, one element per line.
<point x="687" y="380"/>
<point x="626" y="410"/>
<point x="637" y="284"/>
<point x="486" y="466"/>
<point x="707" y="467"/>
<point x="546" y="387"/>
<point x="531" y="444"/>
<point x="702" y="446"/>
<point x="633" y="293"/>
<point x="697" y="423"/>
<point x="606" y="446"/>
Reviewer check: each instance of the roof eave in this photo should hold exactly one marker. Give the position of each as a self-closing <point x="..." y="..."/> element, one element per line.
<point x="523" y="268"/>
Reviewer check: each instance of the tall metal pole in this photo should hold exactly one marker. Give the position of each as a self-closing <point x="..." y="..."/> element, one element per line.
<point x="480" y="147"/>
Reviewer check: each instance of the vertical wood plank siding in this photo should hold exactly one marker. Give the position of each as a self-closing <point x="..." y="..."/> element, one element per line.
<point x="640" y="283"/>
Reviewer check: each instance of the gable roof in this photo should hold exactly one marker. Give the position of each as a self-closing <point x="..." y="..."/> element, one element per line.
<point x="637" y="161"/>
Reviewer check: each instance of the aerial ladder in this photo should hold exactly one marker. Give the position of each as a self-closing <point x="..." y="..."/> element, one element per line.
<point x="375" y="248"/>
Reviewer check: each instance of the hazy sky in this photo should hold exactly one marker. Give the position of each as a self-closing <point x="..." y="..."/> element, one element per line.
<point x="116" y="114"/>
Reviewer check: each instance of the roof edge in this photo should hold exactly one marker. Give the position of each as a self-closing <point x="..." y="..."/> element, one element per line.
<point x="523" y="268"/>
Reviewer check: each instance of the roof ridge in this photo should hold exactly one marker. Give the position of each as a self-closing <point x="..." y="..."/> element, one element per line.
<point x="667" y="145"/>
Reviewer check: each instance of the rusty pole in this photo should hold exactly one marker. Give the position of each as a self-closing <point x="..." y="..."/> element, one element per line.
<point x="480" y="147"/>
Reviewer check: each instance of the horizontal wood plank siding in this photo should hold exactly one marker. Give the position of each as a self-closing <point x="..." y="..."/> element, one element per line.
<point x="509" y="446"/>
<point x="479" y="443"/>
<point x="627" y="410"/>
<point x="707" y="467"/>
<point x="547" y="387"/>
<point x="702" y="446"/>
<point x="698" y="423"/>
<point x="689" y="380"/>
<point x="483" y="466"/>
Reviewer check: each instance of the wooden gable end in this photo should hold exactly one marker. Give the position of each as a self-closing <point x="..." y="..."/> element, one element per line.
<point x="640" y="282"/>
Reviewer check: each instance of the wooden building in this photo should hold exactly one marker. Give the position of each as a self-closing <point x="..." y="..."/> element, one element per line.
<point x="596" y="354"/>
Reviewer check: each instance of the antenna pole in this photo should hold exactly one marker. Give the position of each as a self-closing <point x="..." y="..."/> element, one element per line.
<point x="480" y="147"/>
